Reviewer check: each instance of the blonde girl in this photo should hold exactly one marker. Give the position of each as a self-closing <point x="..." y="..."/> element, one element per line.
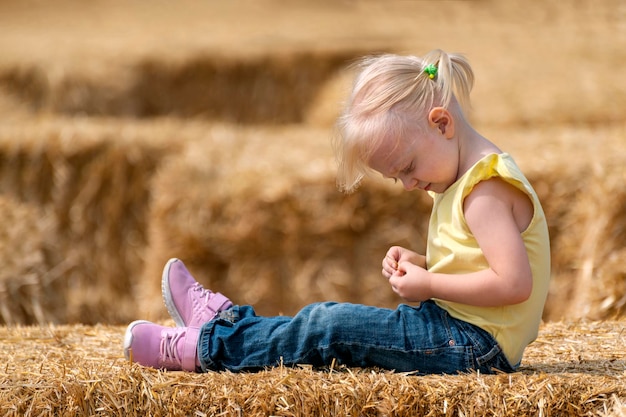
<point x="474" y="299"/>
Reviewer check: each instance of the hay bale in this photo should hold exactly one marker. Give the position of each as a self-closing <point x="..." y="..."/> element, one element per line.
<point x="81" y="64"/>
<point x="574" y="369"/>
<point x="272" y="88"/>
<point x="594" y="251"/>
<point x="73" y="168"/>
<point x="29" y="288"/>
<point x="579" y="173"/>
<point x="255" y="214"/>
<point x="92" y="180"/>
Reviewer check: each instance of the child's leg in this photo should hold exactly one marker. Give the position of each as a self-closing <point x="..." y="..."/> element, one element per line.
<point x="423" y="339"/>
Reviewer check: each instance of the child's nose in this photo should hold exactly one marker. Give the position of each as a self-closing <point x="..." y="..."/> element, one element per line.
<point x="409" y="183"/>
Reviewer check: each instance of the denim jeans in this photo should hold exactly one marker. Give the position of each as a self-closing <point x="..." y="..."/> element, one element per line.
<point x="423" y="339"/>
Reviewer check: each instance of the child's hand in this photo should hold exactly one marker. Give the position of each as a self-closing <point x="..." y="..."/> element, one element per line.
<point x="411" y="282"/>
<point x="390" y="266"/>
<point x="397" y="254"/>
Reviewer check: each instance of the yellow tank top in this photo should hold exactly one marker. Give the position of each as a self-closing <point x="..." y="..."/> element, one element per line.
<point x="452" y="249"/>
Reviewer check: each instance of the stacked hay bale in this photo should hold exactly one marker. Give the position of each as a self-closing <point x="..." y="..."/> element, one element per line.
<point x="79" y="190"/>
<point x="94" y="175"/>
<point x="591" y="250"/>
<point x="255" y="213"/>
<point x="29" y="288"/>
<point x="578" y="173"/>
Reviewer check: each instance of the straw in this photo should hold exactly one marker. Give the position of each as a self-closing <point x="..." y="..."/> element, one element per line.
<point x="573" y="369"/>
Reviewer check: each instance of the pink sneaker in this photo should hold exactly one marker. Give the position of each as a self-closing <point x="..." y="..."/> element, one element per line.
<point x="171" y="348"/>
<point x="189" y="304"/>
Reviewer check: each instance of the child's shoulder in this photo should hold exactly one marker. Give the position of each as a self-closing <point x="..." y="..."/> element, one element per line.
<point x="495" y="195"/>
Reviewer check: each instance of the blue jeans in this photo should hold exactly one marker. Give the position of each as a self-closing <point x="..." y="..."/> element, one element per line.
<point x="423" y="339"/>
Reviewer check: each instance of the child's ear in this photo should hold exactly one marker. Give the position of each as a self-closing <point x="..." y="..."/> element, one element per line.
<point x="441" y="119"/>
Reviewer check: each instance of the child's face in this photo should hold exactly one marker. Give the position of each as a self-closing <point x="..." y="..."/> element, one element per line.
<point x="426" y="160"/>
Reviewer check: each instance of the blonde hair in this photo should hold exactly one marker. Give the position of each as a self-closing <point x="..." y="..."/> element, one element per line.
<point x="389" y="95"/>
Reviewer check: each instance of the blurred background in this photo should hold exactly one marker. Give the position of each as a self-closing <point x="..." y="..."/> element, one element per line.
<point x="132" y="132"/>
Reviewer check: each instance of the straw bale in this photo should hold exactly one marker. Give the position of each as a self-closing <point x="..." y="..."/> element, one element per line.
<point x="573" y="369"/>
<point x="579" y="175"/>
<point x="256" y="214"/>
<point x="270" y="88"/>
<point x="28" y="286"/>
<point x="91" y="181"/>
<point x="597" y="254"/>
<point x="275" y="88"/>
<point x="72" y="57"/>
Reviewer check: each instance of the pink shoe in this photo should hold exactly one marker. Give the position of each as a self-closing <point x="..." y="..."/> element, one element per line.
<point x="171" y="348"/>
<point x="189" y="304"/>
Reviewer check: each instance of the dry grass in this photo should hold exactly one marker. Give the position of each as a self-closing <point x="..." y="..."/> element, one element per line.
<point x="573" y="369"/>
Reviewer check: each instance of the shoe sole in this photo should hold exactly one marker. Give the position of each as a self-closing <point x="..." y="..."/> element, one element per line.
<point x="128" y="337"/>
<point x="167" y="294"/>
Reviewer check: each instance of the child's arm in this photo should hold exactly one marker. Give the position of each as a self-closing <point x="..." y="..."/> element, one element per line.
<point x="496" y="213"/>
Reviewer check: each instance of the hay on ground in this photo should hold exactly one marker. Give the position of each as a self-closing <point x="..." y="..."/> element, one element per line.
<point x="573" y="369"/>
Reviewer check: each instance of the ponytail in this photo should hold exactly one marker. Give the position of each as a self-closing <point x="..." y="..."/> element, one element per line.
<point x="454" y="77"/>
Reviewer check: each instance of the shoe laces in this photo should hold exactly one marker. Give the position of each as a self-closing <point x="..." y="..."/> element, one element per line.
<point x="168" y="348"/>
<point x="202" y="292"/>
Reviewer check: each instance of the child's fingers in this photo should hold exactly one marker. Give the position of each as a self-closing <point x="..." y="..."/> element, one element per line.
<point x="392" y="262"/>
<point x="399" y="273"/>
<point x="390" y="266"/>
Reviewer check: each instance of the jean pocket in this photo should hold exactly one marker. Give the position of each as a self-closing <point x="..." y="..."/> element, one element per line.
<point x="494" y="360"/>
<point x="445" y="360"/>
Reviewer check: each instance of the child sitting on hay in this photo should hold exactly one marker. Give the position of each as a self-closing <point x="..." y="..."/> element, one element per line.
<point x="481" y="286"/>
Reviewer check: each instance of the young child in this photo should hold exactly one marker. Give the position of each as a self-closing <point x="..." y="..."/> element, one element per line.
<point x="479" y="290"/>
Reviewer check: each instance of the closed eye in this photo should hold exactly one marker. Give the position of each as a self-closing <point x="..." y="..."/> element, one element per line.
<point x="408" y="169"/>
